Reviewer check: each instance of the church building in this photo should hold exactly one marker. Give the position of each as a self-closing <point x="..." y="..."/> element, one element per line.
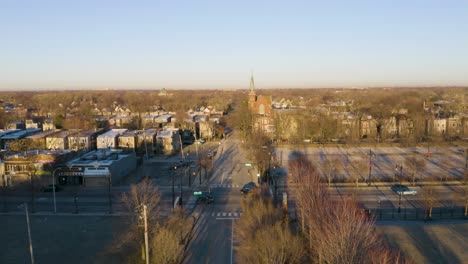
<point x="261" y="108"/>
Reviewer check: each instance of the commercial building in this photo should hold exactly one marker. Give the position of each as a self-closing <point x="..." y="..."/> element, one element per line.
<point x="97" y="168"/>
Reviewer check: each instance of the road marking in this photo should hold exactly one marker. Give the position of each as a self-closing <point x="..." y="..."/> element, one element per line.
<point x="218" y="214"/>
<point x="224" y="214"/>
<point x="226" y="218"/>
<point x="235" y="214"/>
<point x="229" y="214"/>
<point x="213" y="214"/>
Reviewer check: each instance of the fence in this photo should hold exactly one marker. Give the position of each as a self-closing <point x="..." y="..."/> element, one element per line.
<point x="438" y="213"/>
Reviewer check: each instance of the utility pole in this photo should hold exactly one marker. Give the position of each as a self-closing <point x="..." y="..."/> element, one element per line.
<point x="32" y="191"/>
<point x="29" y="233"/>
<point x="400" y="168"/>
<point x="53" y="189"/>
<point x="110" y="194"/>
<point x="173" y="189"/>
<point x="466" y="167"/>
<point x="370" y="166"/>
<point x="180" y="188"/>
<point x="181" y="147"/>
<point x="146" y="234"/>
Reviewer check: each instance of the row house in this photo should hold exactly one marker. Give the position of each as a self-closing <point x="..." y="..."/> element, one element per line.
<point x="16" y="134"/>
<point x="453" y="126"/>
<point x="109" y="139"/>
<point x="367" y="127"/>
<point x="85" y="140"/>
<point x="59" y="140"/>
<point x="20" y="167"/>
<point x="15" y="125"/>
<point x="29" y="123"/>
<point x="157" y="120"/>
<point x="48" y="125"/>
<point x="147" y="140"/>
<point x="120" y="120"/>
<point x="39" y="139"/>
<point x="128" y="140"/>
<point x="168" y="140"/>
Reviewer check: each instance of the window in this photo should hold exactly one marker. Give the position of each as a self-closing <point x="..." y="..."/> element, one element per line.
<point x="261" y="109"/>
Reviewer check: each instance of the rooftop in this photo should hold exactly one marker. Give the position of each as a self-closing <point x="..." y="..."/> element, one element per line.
<point x="113" y="133"/>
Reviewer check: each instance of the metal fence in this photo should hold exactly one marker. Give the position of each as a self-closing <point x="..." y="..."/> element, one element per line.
<point x="438" y="213"/>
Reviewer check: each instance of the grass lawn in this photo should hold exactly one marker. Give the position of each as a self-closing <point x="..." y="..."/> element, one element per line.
<point x="435" y="242"/>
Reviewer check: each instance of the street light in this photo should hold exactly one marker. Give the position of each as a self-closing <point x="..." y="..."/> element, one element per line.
<point x="53" y="188"/>
<point x="371" y="155"/>
<point x="399" y="168"/>
<point x="173" y="190"/>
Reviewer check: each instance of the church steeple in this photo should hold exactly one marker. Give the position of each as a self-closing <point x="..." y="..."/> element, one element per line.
<point x="252" y="84"/>
<point x="252" y="95"/>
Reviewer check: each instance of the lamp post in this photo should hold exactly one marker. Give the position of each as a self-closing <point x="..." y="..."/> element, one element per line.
<point x="53" y="188"/>
<point x="371" y="155"/>
<point x="31" y="180"/>
<point x="109" y="175"/>
<point x="180" y="187"/>
<point x="173" y="190"/>
<point x="399" y="169"/>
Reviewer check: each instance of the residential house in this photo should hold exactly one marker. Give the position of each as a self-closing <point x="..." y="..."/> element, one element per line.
<point x="168" y="140"/>
<point x="109" y="139"/>
<point x="128" y="140"/>
<point x="440" y="126"/>
<point x="147" y="140"/>
<point x="17" y="134"/>
<point x="48" y="125"/>
<point x="59" y="140"/>
<point x="15" y="125"/>
<point x="85" y="139"/>
<point x="39" y="139"/>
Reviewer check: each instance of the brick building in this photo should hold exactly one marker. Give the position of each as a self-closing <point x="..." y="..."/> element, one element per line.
<point x="260" y="106"/>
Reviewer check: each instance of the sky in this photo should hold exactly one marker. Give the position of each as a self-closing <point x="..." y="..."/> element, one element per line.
<point x="178" y="44"/>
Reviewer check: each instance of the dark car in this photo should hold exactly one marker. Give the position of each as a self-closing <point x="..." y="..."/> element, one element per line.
<point x="206" y="198"/>
<point x="248" y="187"/>
<point x="50" y="188"/>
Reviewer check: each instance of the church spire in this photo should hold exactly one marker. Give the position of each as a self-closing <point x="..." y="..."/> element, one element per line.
<point x="252" y="84"/>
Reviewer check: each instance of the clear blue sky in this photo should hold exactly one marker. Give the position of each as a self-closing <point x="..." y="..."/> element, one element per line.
<point x="216" y="44"/>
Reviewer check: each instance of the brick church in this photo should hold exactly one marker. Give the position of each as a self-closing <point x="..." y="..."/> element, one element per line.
<point x="260" y="106"/>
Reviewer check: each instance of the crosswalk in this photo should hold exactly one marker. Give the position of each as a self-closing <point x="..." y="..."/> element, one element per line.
<point x="224" y="186"/>
<point x="226" y="214"/>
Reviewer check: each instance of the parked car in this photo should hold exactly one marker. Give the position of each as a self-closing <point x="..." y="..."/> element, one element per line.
<point x="403" y="190"/>
<point x="50" y="188"/>
<point x="206" y="198"/>
<point x="248" y="187"/>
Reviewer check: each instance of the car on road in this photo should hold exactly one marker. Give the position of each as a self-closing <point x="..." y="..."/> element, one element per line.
<point x="206" y="198"/>
<point x="200" y="141"/>
<point x="403" y="190"/>
<point x="50" y="188"/>
<point x="248" y="187"/>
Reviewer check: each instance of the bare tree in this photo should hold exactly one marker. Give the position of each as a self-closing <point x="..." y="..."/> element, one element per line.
<point x="430" y="197"/>
<point x="262" y="234"/>
<point x="360" y="168"/>
<point x="329" y="166"/>
<point x="145" y="192"/>
<point x="169" y="242"/>
<point x="415" y="164"/>
<point x="335" y="231"/>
